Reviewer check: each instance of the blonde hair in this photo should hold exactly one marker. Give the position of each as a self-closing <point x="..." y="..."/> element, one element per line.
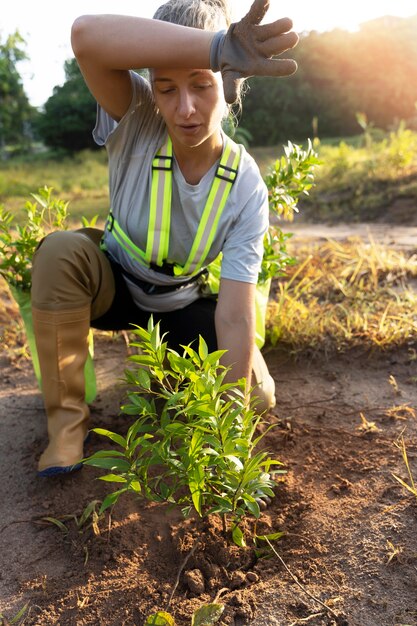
<point x="210" y="15"/>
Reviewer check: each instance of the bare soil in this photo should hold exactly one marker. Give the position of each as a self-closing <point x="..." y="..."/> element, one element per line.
<point x="350" y="529"/>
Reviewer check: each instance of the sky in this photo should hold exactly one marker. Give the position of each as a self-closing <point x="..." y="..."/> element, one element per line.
<point x="46" y="27"/>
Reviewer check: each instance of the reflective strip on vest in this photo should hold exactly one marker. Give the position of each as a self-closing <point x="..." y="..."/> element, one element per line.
<point x="216" y="201"/>
<point x="157" y="243"/>
<point x="124" y="241"/>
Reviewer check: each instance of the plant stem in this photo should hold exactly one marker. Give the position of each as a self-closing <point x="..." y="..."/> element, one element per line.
<point x="297" y="582"/>
<point x="183" y="564"/>
<point x="224" y="523"/>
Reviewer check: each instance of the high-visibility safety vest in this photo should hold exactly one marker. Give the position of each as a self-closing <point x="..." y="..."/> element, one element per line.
<point x="157" y="244"/>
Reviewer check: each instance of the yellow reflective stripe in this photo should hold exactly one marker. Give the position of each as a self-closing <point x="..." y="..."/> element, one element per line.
<point x="191" y="264"/>
<point x="213" y="231"/>
<point x="157" y="242"/>
<point x="213" y="210"/>
<point x="127" y="244"/>
<point x="152" y="216"/>
<point x="166" y="219"/>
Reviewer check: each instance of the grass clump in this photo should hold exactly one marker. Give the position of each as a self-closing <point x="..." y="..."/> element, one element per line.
<point x="345" y="295"/>
<point x="358" y="182"/>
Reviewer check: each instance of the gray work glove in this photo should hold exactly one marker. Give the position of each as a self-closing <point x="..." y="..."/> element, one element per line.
<point x="247" y="47"/>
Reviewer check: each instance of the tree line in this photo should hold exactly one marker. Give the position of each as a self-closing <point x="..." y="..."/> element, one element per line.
<point x="372" y="71"/>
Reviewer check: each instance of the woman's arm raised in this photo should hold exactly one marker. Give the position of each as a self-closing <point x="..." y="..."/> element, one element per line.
<point x="107" y="46"/>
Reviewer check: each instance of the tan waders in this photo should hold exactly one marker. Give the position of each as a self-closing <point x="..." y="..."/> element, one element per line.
<point x="72" y="283"/>
<point x="62" y="345"/>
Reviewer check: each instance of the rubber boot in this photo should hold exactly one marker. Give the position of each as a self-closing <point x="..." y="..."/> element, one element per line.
<point x="62" y="345"/>
<point x="263" y="383"/>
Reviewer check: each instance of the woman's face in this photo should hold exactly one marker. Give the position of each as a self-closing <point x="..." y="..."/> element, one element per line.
<point x="191" y="103"/>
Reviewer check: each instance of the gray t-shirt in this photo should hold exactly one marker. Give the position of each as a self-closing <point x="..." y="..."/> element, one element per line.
<point x="131" y="145"/>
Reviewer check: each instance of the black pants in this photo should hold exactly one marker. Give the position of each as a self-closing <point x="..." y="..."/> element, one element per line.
<point x="183" y="325"/>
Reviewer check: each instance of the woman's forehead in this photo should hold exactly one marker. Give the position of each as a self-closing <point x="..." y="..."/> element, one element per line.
<point x="170" y="74"/>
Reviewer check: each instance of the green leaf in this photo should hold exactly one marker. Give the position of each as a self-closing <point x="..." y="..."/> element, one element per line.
<point x="108" y="463"/>
<point x="202" y="349"/>
<point x="39" y="199"/>
<point x="142" y="359"/>
<point x="110" y="500"/>
<point x="225" y="504"/>
<point x="207" y="615"/>
<point x="20" y="614"/>
<point x="253" y="507"/>
<point x="196" y="496"/>
<point x="236" y="462"/>
<point x="88" y="512"/>
<point x="160" y="619"/>
<point x="135" y="486"/>
<point x="104" y="454"/>
<point x="110" y="435"/>
<point x="57" y="523"/>
<point x="139" y="427"/>
<point x="143" y="378"/>
<point x="113" y="478"/>
<point x="214" y="357"/>
<point x="238" y="537"/>
<point x="190" y="352"/>
<point x="155" y="338"/>
<point x="272" y="537"/>
<point x="178" y="363"/>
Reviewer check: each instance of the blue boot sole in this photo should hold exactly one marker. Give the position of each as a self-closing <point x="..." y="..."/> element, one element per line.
<point x="56" y="471"/>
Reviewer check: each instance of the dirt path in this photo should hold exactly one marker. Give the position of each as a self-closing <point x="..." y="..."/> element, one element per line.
<point x="399" y="236"/>
<point x="349" y="527"/>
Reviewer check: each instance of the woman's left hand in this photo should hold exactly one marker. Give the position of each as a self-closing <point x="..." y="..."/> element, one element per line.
<point x="247" y="48"/>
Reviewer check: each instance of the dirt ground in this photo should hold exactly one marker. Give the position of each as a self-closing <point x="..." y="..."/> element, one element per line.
<point x="350" y="529"/>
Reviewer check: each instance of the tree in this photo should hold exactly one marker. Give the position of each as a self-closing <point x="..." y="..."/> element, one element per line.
<point x="69" y="114"/>
<point x="372" y="71"/>
<point x="15" y="109"/>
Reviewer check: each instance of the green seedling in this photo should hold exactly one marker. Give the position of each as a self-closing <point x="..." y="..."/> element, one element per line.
<point x="17" y="247"/>
<point x="18" y="243"/>
<point x="89" y="518"/>
<point x="289" y="178"/>
<point x="90" y="223"/>
<point x="193" y="441"/>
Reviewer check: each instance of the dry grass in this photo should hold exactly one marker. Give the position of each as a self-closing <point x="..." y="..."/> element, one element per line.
<point x="338" y="296"/>
<point x="409" y="484"/>
<point x="345" y="295"/>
